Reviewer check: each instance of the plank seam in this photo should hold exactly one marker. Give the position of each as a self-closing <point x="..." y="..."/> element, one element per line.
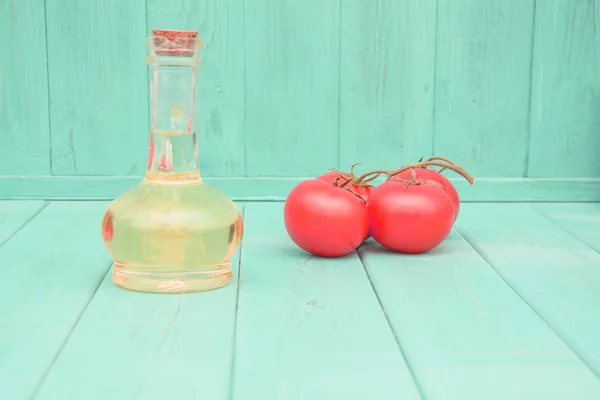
<point x="550" y="325"/>
<point x="568" y="231"/>
<point x="25" y="223"/>
<point x="434" y="86"/>
<point x="48" y="88"/>
<point x="237" y="302"/>
<point x="148" y="124"/>
<point x="245" y="173"/>
<point x="526" y="167"/>
<point x="398" y="343"/>
<point x="339" y="105"/>
<point x="277" y="188"/>
<point x="42" y="380"/>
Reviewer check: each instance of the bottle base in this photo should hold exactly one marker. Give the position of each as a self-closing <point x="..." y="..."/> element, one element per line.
<point x="171" y="282"/>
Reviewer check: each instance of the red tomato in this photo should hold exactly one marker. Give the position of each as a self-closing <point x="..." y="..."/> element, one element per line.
<point x="426" y="174"/>
<point x="325" y="220"/>
<point x="410" y="219"/>
<point x="362" y="191"/>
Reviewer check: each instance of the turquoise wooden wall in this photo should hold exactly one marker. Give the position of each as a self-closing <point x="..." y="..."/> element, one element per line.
<point x="509" y="89"/>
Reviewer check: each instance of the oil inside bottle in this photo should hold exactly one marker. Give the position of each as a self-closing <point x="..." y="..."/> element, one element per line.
<point x="172" y="232"/>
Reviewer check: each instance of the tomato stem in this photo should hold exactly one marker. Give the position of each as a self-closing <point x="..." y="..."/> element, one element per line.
<point x="441" y="162"/>
<point x="414" y="181"/>
<point x="436" y="158"/>
<point x="348" y="180"/>
<point x="366" y="181"/>
<point x="357" y="195"/>
<point x="352" y="168"/>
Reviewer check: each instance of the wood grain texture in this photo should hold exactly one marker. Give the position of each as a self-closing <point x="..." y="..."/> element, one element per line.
<point x="98" y="87"/>
<point x="14" y="215"/>
<point x="466" y="334"/>
<point x="292" y="86"/>
<point x="54" y="266"/>
<point x="482" y="86"/>
<point x="508" y="89"/>
<point x="149" y="346"/>
<point x="386" y="82"/>
<point x="307" y="327"/>
<point x="220" y="109"/>
<point x="277" y="189"/>
<point x="554" y="272"/>
<point x="581" y="220"/>
<point x="24" y="116"/>
<point x="565" y="127"/>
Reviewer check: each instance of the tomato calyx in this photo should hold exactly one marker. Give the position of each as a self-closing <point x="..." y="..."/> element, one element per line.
<point x="441" y="162"/>
<point x="353" y="179"/>
<point x="343" y="187"/>
<point x="414" y="181"/>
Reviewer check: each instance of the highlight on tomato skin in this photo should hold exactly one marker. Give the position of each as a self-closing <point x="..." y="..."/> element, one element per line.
<point x="325" y="220"/>
<point x="341" y="178"/>
<point x="410" y="218"/>
<point x="426" y="174"/>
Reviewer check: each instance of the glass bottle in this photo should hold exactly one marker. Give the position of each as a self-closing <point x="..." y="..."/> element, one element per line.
<point x="172" y="232"/>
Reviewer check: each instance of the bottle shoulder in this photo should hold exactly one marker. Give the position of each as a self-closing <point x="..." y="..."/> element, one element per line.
<point x="198" y="204"/>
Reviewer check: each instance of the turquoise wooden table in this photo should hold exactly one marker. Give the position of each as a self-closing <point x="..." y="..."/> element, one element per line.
<point x="506" y="308"/>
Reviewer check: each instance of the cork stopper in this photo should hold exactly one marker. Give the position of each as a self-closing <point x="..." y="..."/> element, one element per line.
<point x="172" y="34"/>
<point x="172" y="42"/>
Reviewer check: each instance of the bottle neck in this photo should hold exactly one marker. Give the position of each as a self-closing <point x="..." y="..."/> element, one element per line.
<point x="173" y="148"/>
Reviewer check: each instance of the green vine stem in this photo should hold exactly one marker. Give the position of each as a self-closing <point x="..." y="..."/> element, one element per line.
<point x="433" y="162"/>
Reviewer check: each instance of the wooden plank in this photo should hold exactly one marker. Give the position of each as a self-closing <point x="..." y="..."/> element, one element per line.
<point x="555" y="273"/>
<point x="98" y="87"/>
<point x="387" y="67"/>
<point x="149" y="346"/>
<point x="482" y="87"/>
<point x="277" y="189"/>
<point x="580" y="219"/>
<point x="292" y="86"/>
<point x="220" y="105"/>
<point x="14" y="215"/>
<point x="308" y="327"/>
<point x="54" y="266"/>
<point x="565" y="129"/>
<point x="24" y="120"/>
<point x="466" y="334"/>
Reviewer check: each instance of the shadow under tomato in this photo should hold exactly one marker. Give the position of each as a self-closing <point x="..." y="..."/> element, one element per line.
<point x="442" y="250"/>
<point x="298" y="253"/>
